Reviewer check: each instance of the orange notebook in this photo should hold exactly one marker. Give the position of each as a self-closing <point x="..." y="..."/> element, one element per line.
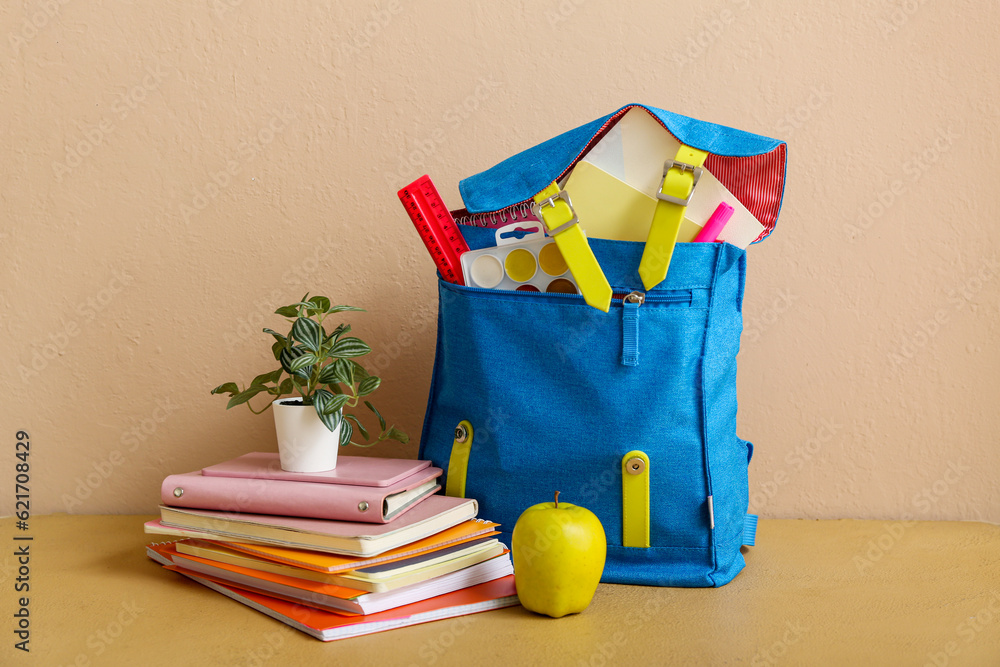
<point x="337" y="598"/>
<point x="324" y="562"/>
<point x="328" y="626"/>
<point x="373" y="579"/>
<point x="190" y="562"/>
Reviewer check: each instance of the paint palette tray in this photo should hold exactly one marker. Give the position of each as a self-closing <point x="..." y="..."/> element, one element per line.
<point x="524" y="260"/>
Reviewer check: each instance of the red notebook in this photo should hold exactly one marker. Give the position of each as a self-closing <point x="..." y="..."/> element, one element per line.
<point x="329" y="626"/>
<point x="339" y="598"/>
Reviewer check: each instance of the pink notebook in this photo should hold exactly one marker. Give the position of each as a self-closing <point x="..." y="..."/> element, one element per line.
<point x="354" y="470"/>
<point x="338" y="502"/>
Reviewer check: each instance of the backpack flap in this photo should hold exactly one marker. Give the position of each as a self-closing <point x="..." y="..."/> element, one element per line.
<point x="749" y="166"/>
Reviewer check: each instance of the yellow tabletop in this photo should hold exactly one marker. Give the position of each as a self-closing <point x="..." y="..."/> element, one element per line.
<point x="813" y="593"/>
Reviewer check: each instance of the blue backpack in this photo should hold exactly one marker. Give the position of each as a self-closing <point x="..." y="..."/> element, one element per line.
<point x="630" y="413"/>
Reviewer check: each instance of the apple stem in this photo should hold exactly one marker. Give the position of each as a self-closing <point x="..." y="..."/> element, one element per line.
<point x="557" y="500"/>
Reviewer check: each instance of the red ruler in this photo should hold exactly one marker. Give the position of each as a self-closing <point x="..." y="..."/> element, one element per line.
<point x="436" y="227"/>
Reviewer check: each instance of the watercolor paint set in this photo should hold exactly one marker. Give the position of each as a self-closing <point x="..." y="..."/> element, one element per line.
<point x="531" y="264"/>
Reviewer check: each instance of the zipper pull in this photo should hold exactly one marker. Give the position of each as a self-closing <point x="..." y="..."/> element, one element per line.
<point x="630" y="327"/>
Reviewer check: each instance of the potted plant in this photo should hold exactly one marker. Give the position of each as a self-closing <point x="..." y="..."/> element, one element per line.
<point x="322" y="368"/>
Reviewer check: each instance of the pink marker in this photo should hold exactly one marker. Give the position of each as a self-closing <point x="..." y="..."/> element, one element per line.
<point x="710" y="232"/>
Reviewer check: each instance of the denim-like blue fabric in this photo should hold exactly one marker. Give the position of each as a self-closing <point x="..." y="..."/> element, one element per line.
<point x="540" y="379"/>
<point x="524" y="175"/>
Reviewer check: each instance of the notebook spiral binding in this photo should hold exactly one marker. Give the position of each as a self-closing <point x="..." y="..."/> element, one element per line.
<point x="498" y="218"/>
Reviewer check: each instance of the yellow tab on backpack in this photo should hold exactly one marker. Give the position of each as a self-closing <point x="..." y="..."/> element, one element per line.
<point x="635" y="499"/>
<point x="458" y="462"/>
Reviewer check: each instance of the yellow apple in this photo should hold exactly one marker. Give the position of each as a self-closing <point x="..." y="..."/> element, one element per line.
<point x="558" y="550"/>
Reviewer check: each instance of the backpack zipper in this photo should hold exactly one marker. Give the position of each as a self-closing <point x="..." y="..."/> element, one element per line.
<point x="630" y="327"/>
<point x="630" y="302"/>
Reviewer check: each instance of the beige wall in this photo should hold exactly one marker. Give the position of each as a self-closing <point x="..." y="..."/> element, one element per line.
<point x="137" y="272"/>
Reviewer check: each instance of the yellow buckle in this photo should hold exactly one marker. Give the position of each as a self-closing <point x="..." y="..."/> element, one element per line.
<point x="562" y="195"/>
<point x="682" y="166"/>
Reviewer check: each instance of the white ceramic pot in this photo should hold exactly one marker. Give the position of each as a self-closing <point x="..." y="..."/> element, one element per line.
<point x="305" y="444"/>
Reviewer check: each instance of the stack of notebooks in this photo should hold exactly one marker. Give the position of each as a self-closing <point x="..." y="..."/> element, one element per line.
<point x="366" y="547"/>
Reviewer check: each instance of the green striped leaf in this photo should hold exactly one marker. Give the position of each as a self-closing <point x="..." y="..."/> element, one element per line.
<point x="368" y="385"/>
<point x="346" y="432"/>
<point x="302" y="362"/>
<point x="323" y="404"/>
<point x="338" y="371"/>
<point x="309" y="333"/>
<point x="350" y="347"/>
<point x="338" y="402"/>
<point x="288" y="356"/>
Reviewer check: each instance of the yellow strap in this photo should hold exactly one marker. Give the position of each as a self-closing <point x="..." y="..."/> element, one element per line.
<point x="458" y="464"/>
<point x="635" y="499"/>
<point x="552" y="206"/>
<point x="679" y="178"/>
